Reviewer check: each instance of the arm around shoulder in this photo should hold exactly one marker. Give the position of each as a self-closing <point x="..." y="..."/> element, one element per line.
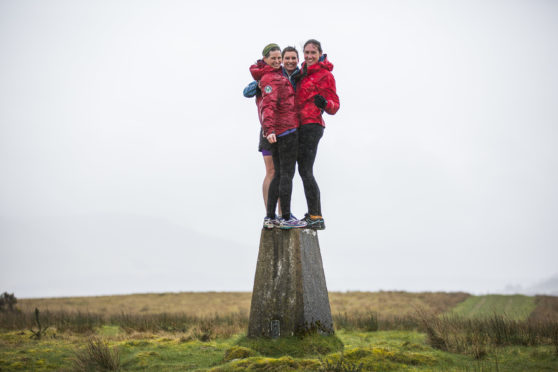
<point x="251" y="89"/>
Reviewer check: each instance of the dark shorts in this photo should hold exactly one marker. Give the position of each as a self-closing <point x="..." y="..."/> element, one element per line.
<point x="264" y="146"/>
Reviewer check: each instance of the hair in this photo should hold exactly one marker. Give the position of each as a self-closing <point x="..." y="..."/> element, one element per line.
<point x="314" y="42"/>
<point x="289" y="49"/>
<point x="304" y="71"/>
<point x="272" y="49"/>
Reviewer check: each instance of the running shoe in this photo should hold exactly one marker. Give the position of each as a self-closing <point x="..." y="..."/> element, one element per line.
<point x="314" y="223"/>
<point x="291" y="223"/>
<point x="270" y="223"/>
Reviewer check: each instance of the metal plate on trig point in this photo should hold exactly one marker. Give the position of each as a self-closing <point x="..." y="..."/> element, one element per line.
<point x="275" y="329"/>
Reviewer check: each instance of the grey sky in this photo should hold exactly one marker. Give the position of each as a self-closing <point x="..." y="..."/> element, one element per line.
<point x="128" y="154"/>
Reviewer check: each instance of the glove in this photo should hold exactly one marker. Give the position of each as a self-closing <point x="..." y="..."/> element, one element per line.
<point x="320" y="101"/>
<point x="251" y="90"/>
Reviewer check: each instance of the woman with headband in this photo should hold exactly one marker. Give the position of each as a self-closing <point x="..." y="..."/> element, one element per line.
<point x="279" y="125"/>
<point x="290" y="70"/>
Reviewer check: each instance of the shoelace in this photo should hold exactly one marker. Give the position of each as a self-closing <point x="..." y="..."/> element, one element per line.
<point x="294" y="221"/>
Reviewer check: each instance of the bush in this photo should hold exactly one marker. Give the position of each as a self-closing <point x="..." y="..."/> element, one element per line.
<point x="7" y="302"/>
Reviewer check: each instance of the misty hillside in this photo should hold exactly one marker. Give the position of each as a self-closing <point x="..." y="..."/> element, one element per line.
<point x="96" y="254"/>
<point x="548" y="286"/>
<point x="37" y="252"/>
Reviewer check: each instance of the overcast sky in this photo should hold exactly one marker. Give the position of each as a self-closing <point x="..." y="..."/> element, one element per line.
<point x="129" y="163"/>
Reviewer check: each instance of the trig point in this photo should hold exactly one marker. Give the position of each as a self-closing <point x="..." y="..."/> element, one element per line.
<point x="290" y="294"/>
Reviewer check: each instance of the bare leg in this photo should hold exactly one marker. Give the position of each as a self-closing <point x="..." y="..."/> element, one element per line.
<point x="269" y="173"/>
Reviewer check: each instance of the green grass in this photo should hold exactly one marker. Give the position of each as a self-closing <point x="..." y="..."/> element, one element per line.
<point x="172" y="355"/>
<point x="382" y="350"/>
<point x="481" y="333"/>
<point x="516" y="307"/>
<point x="19" y="352"/>
<point x="312" y="345"/>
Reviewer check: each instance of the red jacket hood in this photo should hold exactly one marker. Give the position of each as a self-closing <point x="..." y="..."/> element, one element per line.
<point x="317" y="79"/>
<point x="325" y="64"/>
<point x="259" y="69"/>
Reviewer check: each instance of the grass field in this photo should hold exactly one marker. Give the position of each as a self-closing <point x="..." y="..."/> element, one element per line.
<point x="210" y="303"/>
<point x="381" y="331"/>
<point x="516" y="307"/>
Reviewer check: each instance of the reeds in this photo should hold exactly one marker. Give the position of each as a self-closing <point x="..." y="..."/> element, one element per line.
<point x="477" y="336"/>
<point x="198" y="327"/>
<point x="372" y="321"/>
<point x="449" y="333"/>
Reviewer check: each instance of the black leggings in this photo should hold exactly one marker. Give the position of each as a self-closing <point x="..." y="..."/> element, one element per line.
<point x="309" y="136"/>
<point x="284" y="153"/>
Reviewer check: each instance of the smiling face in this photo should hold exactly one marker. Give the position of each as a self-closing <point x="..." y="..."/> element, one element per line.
<point x="290" y="61"/>
<point x="273" y="59"/>
<point x="311" y="54"/>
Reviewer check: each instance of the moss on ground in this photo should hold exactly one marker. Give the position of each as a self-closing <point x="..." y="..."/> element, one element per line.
<point x="283" y="364"/>
<point x="383" y="350"/>
<point x="382" y="359"/>
<point x="310" y="345"/>
<point x="238" y="352"/>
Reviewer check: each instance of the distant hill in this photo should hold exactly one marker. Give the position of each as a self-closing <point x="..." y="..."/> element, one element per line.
<point x="544" y="287"/>
<point x="548" y="286"/>
<point x="90" y="255"/>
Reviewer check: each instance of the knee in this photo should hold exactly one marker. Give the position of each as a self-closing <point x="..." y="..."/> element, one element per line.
<point x="270" y="172"/>
<point x="289" y="175"/>
<point x="305" y="173"/>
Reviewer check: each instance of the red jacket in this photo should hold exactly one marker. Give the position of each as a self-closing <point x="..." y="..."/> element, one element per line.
<point x="277" y="103"/>
<point x="317" y="80"/>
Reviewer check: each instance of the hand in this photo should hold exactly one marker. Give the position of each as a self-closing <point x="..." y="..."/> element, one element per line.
<point x="271" y="138"/>
<point x="320" y="101"/>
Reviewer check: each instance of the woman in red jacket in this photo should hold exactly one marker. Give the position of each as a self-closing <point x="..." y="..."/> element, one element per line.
<point x="315" y="93"/>
<point x="279" y="123"/>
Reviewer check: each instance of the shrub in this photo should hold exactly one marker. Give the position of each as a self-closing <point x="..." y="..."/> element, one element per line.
<point x="7" y="302"/>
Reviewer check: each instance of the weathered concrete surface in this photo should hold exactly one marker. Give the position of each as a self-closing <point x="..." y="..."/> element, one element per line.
<point x="289" y="286"/>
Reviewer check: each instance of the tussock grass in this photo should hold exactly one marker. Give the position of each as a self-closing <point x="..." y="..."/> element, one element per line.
<point x="478" y="336"/>
<point x="97" y="356"/>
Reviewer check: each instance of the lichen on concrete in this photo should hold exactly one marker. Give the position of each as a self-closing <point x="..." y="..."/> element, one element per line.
<point x="289" y="285"/>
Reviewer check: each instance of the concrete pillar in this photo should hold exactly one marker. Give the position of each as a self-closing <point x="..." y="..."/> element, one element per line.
<point x="290" y="294"/>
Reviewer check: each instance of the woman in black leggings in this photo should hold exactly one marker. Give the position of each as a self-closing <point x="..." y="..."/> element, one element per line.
<point x="315" y="93"/>
<point x="279" y="121"/>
